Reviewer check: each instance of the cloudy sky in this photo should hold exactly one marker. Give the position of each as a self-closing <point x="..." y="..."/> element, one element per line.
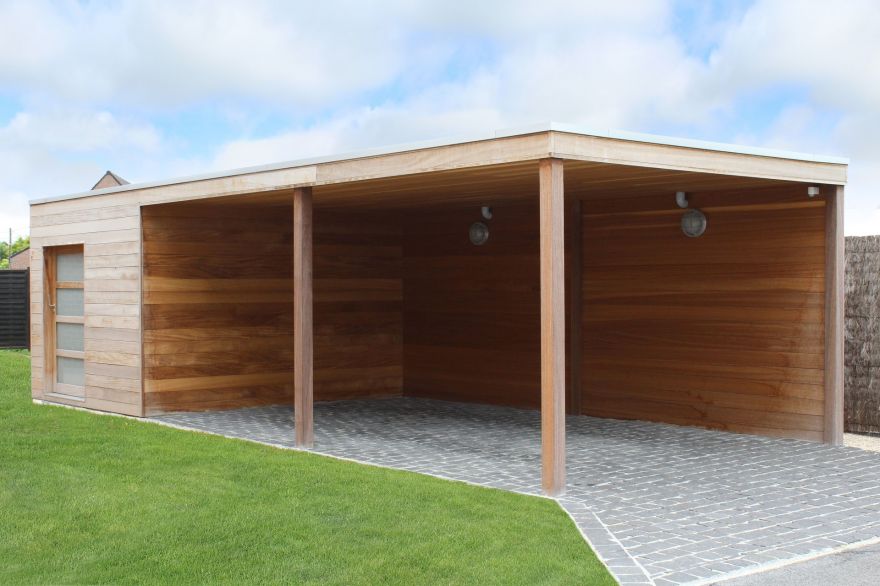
<point x="161" y="89"/>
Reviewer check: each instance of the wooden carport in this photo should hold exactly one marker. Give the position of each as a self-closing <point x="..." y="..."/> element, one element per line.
<point x="640" y="301"/>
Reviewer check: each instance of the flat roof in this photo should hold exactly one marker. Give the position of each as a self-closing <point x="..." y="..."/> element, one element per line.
<point x="458" y="140"/>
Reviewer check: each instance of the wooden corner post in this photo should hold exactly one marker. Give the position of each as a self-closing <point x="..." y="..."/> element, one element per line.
<point x="834" y="320"/>
<point x="302" y="317"/>
<point x="552" y="222"/>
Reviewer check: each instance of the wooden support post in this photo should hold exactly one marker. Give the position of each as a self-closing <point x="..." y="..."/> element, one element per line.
<point x="552" y="222"/>
<point x="834" y="321"/>
<point x="302" y="317"/>
<point x="573" y="299"/>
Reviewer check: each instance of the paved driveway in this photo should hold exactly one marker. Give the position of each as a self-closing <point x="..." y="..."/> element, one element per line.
<point x="659" y="503"/>
<point x="853" y="567"/>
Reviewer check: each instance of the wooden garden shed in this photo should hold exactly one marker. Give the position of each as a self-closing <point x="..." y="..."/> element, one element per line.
<point x="607" y="274"/>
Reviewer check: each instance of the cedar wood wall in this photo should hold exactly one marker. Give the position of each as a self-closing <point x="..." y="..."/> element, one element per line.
<point x="725" y="330"/>
<point x="722" y="331"/>
<point x="109" y="231"/>
<point x="472" y="325"/>
<point x="218" y="310"/>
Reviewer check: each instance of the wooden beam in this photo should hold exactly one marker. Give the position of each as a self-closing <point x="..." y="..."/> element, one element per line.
<point x="531" y="144"/>
<point x="834" y="321"/>
<point x="573" y="300"/>
<point x="657" y="155"/>
<point x="302" y="317"/>
<point x="552" y="222"/>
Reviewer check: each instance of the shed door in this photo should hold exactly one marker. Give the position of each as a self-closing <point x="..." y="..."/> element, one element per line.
<point x="65" y="351"/>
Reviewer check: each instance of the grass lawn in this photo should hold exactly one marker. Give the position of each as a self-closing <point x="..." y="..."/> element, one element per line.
<point x="92" y="499"/>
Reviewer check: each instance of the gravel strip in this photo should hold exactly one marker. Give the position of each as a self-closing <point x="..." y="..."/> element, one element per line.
<point x="864" y="442"/>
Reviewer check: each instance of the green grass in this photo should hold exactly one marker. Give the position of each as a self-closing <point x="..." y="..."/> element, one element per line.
<point x="96" y="500"/>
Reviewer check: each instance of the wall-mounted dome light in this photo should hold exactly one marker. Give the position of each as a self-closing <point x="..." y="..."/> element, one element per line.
<point x="693" y="223"/>
<point x="478" y="233"/>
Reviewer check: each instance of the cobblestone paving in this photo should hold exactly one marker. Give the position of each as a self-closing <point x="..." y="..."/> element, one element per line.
<point x="660" y="504"/>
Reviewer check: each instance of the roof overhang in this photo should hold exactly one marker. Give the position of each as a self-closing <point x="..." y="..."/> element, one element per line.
<point x="498" y="148"/>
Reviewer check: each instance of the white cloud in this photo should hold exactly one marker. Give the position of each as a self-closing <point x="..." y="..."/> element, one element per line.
<point x="829" y="48"/>
<point x="14" y="214"/>
<point x="282" y="147"/>
<point x="628" y="70"/>
<point x="168" y="53"/>
<point x="50" y="152"/>
<point x="76" y="131"/>
<point x="862" y="201"/>
<point x="443" y="111"/>
<point x="829" y="51"/>
<point x="518" y="22"/>
<point x="581" y="67"/>
<point x="541" y="62"/>
<point x="440" y="69"/>
<point x="302" y="54"/>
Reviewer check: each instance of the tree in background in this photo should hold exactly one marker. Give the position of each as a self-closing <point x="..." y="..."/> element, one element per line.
<point x="17" y="246"/>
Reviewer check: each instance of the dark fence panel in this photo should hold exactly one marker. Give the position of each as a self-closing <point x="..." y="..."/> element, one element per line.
<point x="862" y="356"/>
<point x="14" y="309"/>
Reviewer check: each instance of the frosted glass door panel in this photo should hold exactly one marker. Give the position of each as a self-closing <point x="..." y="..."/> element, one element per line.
<point x="71" y="371"/>
<point x="70" y="266"/>
<point x="70" y="337"/>
<point x="70" y="302"/>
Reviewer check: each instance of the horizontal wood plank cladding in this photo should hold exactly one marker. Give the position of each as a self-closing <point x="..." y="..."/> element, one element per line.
<point x="472" y="313"/>
<point x="218" y="301"/>
<point x="358" y="299"/>
<point x="109" y="230"/>
<point x="201" y="286"/>
<point x="722" y="331"/>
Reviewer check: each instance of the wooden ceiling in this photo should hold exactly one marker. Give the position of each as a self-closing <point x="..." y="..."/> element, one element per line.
<point x="519" y="181"/>
<point x="499" y="183"/>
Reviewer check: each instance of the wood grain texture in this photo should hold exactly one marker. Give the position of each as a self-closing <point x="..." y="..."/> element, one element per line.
<point x="552" y="238"/>
<point x="273" y="184"/>
<point x="303" y="331"/>
<point x="574" y="271"/>
<point x="218" y="306"/>
<point x="113" y="382"/>
<point x="834" y="314"/>
<point x="515" y="182"/>
<point x="207" y="314"/>
<point x="472" y="313"/>
<point x="722" y="331"/>
<point x="358" y="305"/>
<point x="48" y="346"/>
<point x="566" y="145"/>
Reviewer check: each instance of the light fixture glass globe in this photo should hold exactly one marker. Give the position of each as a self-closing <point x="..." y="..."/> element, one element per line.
<point x="693" y="223"/>
<point x="478" y="233"/>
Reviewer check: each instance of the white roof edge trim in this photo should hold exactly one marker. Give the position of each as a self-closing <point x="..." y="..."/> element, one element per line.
<point x="449" y="141"/>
